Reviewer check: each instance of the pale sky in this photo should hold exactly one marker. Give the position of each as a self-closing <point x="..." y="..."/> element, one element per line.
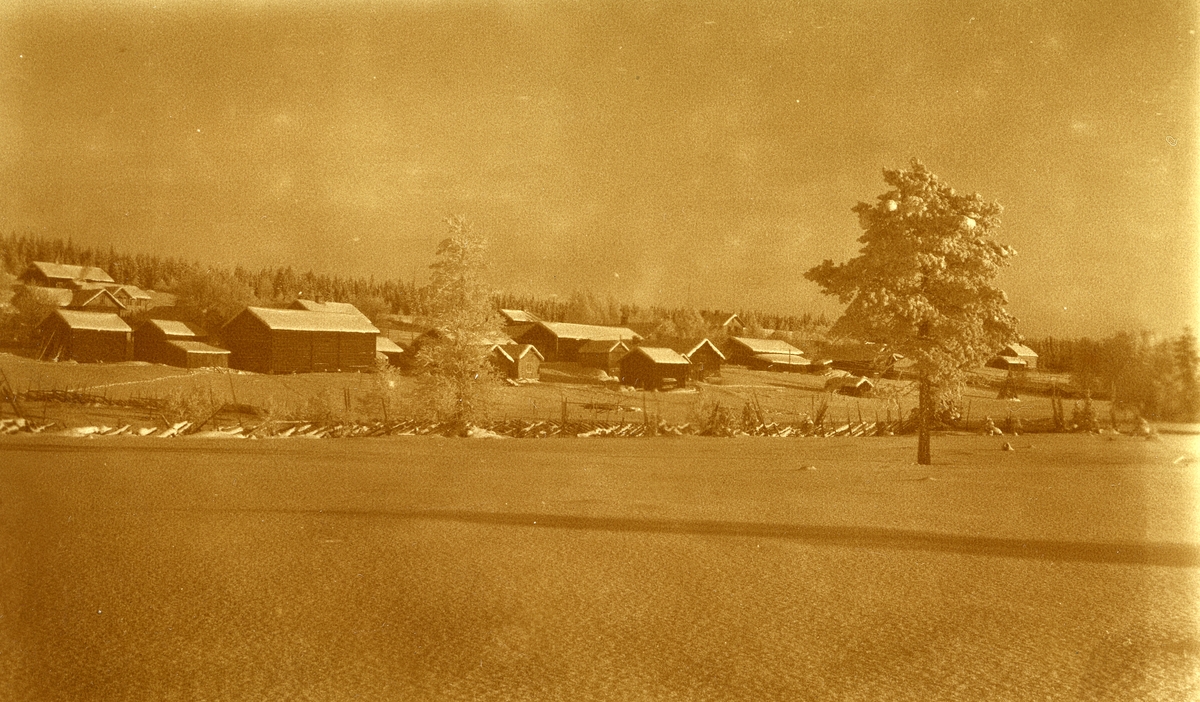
<point x="659" y="152"/>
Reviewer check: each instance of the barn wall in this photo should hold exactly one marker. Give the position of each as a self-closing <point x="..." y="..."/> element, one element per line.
<point x="568" y="349"/>
<point x="356" y="352"/>
<point x="639" y="371"/>
<point x="291" y="351"/>
<point x="249" y="343"/>
<point x="705" y="363"/>
<point x="92" y="346"/>
<point x="544" y="341"/>
<point x="324" y="353"/>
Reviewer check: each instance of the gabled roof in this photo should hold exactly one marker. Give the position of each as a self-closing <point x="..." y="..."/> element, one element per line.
<point x="687" y="347"/>
<point x="603" y="346"/>
<point x="62" y="271"/>
<point x="303" y="320"/>
<point x="94" y="321"/>
<point x="767" y="346"/>
<point x="134" y="292"/>
<point x="515" y="352"/>
<point x="334" y="307"/>
<point x="83" y="298"/>
<point x="658" y="354"/>
<point x="196" y="346"/>
<point x="591" y="332"/>
<point x="720" y="319"/>
<point x="1019" y="350"/>
<point x="519" y="351"/>
<point x="783" y="359"/>
<point x="386" y="345"/>
<point x="172" y="328"/>
<point x="518" y="316"/>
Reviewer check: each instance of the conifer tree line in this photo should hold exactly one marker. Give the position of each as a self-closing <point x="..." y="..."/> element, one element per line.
<point x="213" y="294"/>
<point x="1160" y="376"/>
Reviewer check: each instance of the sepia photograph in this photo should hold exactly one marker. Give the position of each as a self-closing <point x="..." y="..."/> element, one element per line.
<point x="614" y="350"/>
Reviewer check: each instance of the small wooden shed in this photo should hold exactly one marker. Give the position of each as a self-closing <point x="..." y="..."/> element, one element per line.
<point x="176" y="343"/>
<point x="86" y="337"/>
<point x="705" y="357"/>
<point x="267" y="340"/>
<point x="193" y="354"/>
<point x="390" y="350"/>
<point x="650" y="368"/>
<point x="517" y="361"/>
<point x="151" y="335"/>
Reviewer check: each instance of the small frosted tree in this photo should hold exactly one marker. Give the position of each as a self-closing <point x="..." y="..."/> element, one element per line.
<point x="923" y="284"/>
<point x="458" y="377"/>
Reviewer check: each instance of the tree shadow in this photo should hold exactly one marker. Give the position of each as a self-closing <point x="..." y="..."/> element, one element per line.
<point x="1173" y="555"/>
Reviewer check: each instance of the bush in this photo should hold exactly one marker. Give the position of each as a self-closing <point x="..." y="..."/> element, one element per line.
<point x="187" y="405"/>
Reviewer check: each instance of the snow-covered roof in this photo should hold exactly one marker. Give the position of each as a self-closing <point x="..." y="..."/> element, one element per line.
<point x="386" y="345"/>
<point x="196" y="346"/>
<point x="595" y="332"/>
<point x="659" y="354"/>
<point x="1019" y="350"/>
<point x="304" y="320"/>
<point x="767" y="345"/>
<point x="94" y="321"/>
<point x="602" y="346"/>
<point x="170" y="327"/>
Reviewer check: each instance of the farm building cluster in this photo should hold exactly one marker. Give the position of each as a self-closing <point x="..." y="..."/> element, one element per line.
<point x="93" y="322"/>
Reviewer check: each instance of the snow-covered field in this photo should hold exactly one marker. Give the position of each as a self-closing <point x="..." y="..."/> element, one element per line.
<point x="681" y="568"/>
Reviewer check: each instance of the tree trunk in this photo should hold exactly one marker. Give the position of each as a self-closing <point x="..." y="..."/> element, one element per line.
<point x="924" y="421"/>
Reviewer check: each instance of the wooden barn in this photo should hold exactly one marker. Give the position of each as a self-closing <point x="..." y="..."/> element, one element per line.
<point x="517" y="361"/>
<point x="299" y="341"/>
<point x="703" y="354"/>
<point x="1016" y="356"/>
<point x="560" y="341"/>
<point x="650" y="368"/>
<point x="59" y="275"/>
<point x="176" y="344"/>
<point x="605" y="355"/>
<point x="86" y="337"/>
<point x="767" y="354"/>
